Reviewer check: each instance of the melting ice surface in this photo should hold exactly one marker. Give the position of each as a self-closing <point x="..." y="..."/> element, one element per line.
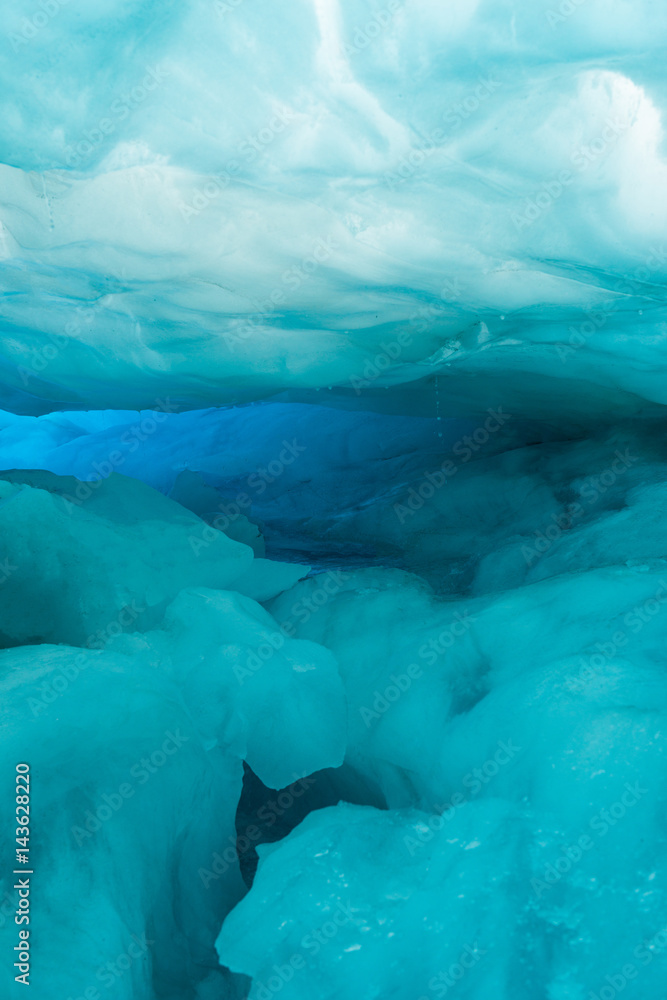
<point x="333" y="525"/>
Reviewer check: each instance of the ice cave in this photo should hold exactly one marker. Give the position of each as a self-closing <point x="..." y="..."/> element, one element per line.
<point x="333" y="502"/>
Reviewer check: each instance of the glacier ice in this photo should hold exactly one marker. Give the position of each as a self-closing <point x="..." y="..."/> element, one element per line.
<point x="411" y="905"/>
<point x="62" y="540"/>
<point x="465" y="199"/>
<point x="333" y="534"/>
<point x="136" y="719"/>
<point x="511" y="707"/>
<point x="100" y="792"/>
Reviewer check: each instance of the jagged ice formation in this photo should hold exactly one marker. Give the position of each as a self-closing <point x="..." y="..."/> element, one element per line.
<point x="333" y="525"/>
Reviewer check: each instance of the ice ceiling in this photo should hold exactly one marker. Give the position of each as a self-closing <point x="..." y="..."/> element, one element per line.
<point x="224" y="201"/>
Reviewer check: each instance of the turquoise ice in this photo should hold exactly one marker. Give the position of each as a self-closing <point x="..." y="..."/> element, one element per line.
<point x="333" y="519"/>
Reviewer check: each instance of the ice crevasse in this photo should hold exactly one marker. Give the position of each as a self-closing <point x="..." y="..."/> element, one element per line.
<point x="333" y="519"/>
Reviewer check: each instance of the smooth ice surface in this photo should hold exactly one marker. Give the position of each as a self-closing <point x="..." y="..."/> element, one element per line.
<point x="217" y="201"/>
<point x="290" y="467"/>
<point x="66" y="547"/>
